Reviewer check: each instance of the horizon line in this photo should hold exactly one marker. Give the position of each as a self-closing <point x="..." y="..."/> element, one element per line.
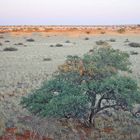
<point x="76" y="25"/>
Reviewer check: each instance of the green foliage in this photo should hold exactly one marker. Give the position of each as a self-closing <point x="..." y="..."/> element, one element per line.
<point x="58" y="98"/>
<point x="85" y="86"/>
<point x="106" y="61"/>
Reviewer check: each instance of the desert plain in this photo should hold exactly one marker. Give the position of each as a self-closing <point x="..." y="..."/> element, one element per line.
<point x="38" y="54"/>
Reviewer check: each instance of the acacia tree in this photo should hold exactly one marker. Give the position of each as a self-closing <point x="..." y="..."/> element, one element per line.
<point x="83" y="87"/>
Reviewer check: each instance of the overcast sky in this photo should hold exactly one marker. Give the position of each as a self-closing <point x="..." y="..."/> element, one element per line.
<point x="69" y="12"/>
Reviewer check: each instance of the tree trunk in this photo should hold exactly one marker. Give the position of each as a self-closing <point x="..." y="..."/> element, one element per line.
<point x="92" y="119"/>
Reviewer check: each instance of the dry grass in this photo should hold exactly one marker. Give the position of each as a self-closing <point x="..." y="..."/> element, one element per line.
<point x="114" y="126"/>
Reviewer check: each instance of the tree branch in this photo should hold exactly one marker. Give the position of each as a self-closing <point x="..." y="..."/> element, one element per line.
<point x="105" y="107"/>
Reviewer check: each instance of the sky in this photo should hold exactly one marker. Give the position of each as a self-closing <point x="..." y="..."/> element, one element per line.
<point x="69" y="12"/>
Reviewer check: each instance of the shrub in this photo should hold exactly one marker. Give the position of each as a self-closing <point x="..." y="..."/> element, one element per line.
<point x="101" y="42"/>
<point x="30" y="40"/>
<point x="51" y="45"/>
<point x="86" y="87"/>
<point x="1" y="37"/>
<point x="67" y="41"/>
<point x="133" y="53"/>
<point x="134" y="45"/>
<point x="86" y="38"/>
<point x="0" y="44"/>
<point x="88" y="32"/>
<point x="47" y="59"/>
<point x="126" y="41"/>
<point x="7" y="41"/>
<point x="19" y="44"/>
<point x="102" y="32"/>
<point x="121" y="30"/>
<point x="10" y="49"/>
<point x="59" y="45"/>
<point x="99" y="28"/>
<point x="112" y="40"/>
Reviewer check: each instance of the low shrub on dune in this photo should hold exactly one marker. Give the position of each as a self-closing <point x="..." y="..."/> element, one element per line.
<point x="134" y="45"/>
<point x="30" y="40"/>
<point x="10" y="49"/>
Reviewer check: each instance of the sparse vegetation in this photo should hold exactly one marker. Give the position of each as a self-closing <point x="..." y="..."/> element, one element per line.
<point x="86" y="38"/>
<point x="51" y="45"/>
<point x="30" y="40"/>
<point x="102" y="32"/>
<point x="1" y="44"/>
<point x="10" y="49"/>
<point x="134" y="45"/>
<point x="126" y="41"/>
<point x="101" y="42"/>
<point x="112" y="40"/>
<point x="1" y="37"/>
<point x="67" y="41"/>
<point x="19" y="44"/>
<point x="7" y="41"/>
<point x="85" y="87"/>
<point x="134" y="53"/>
<point x="121" y="30"/>
<point x="88" y="32"/>
<point x="99" y="28"/>
<point x="59" y="45"/>
<point x="47" y="59"/>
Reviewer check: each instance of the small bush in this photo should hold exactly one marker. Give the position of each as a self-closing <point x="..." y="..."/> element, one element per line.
<point x="47" y="59"/>
<point x="121" y="30"/>
<point x="86" y="38"/>
<point x="0" y="44"/>
<point x="19" y="44"/>
<point x="51" y="45"/>
<point x="101" y="42"/>
<point x="99" y="28"/>
<point x="58" y="45"/>
<point x="1" y="37"/>
<point x="134" y="53"/>
<point x="10" y="49"/>
<point x="7" y="41"/>
<point x="30" y="40"/>
<point x="126" y="41"/>
<point x="103" y="32"/>
<point x="88" y="32"/>
<point x="67" y="41"/>
<point x="134" y="45"/>
<point x="112" y="40"/>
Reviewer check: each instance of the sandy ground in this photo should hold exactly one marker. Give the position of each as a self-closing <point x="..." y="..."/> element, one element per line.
<point x="25" y="69"/>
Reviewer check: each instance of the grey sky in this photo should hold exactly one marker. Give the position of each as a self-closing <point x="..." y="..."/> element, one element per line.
<point x="69" y="12"/>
